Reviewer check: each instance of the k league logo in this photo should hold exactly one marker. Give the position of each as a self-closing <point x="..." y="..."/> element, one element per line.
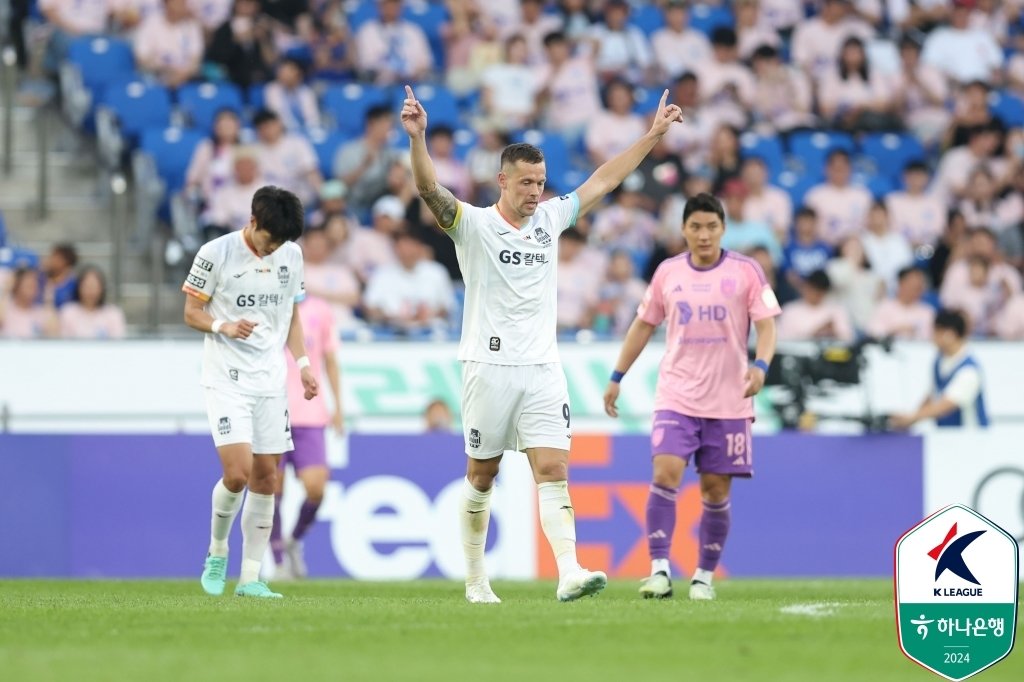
<point x="956" y="592"/>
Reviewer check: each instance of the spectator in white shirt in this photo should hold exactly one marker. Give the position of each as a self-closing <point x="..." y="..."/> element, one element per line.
<point x="286" y="159"/>
<point x="619" y="295"/>
<point x="888" y="251"/>
<point x="853" y="95"/>
<point x="815" y="315"/>
<point x="726" y="85"/>
<point x="782" y="93"/>
<point x="956" y="165"/>
<point x="331" y="280"/>
<point x="291" y="99"/>
<point x="532" y="27"/>
<point x="677" y="47"/>
<point x="509" y="92"/>
<point x="622" y="49"/>
<point x="921" y="91"/>
<point x="230" y="205"/>
<point x="904" y="316"/>
<point x="391" y="50"/>
<point x="1009" y="324"/>
<point x="961" y="52"/>
<point x="816" y="41"/>
<point x="764" y="202"/>
<point x="414" y="293"/>
<point x="569" y="90"/>
<point x="451" y="172"/>
<point x="842" y="208"/>
<point x="751" y="31"/>
<point x="211" y="165"/>
<point x="170" y="45"/>
<point x="854" y="283"/>
<point x="617" y="127"/>
<point x="363" y="164"/>
<point x="916" y="214"/>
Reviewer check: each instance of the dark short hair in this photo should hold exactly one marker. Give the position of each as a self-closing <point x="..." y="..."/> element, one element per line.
<point x="952" y="320"/>
<point x="67" y="251"/>
<point x="521" y="151"/>
<point x="765" y="52"/>
<point x="818" y="280"/>
<point x="555" y="37"/>
<point x="440" y="130"/>
<point x="297" y="63"/>
<point x="723" y="35"/>
<point x="91" y="270"/>
<point x="20" y="274"/>
<point x="880" y="205"/>
<point x="377" y="112"/>
<point x="616" y="82"/>
<point x="806" y="212"/>
<point x="908" y="270"/>
<point x="278" y="212"/>
<point x="703" y="203"/>
<point x="984" y="231"/>
<point x="836" y="153"/>
<point x="686" y="77"/>
<point x="915" y="165"/>
<point x="263" y="116"/>
<point x="573" y="235"/>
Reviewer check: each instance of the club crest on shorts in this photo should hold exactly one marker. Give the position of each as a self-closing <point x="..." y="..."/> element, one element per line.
<point x="224" y="426"/>
<point x="283" y="275"/>
<point x="474" y="438"/>
<point x="956" y="592"/>
<point x="233" y="374"/>
<point x="542" y="237"/>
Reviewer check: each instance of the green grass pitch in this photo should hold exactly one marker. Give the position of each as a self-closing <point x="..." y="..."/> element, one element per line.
<point x="158" y="631"/>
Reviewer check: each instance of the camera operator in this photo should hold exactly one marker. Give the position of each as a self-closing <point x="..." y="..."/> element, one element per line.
<point x="957" y="396"/>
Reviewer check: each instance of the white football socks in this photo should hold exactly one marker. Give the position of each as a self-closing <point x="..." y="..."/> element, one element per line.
<point x="225" y="508"/>
<point x="559" y="524"/>
<point x="703" y="576"/>
<point x="661" y="565"/>
<point x="474" y="516"/>
<point x="257" y="522"/>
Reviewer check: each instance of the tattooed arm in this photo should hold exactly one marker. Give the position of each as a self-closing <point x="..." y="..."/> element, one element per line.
<point x="439" y="199"/>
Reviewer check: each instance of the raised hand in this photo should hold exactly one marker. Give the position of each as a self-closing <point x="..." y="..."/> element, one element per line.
<point x="414" y="116"/>
<point x="666" y="115"/>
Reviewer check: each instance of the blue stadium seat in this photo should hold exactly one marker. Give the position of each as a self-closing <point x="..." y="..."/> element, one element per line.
<point x="171" y="149"/>
<point x="254" y="97"/>
<point x="648" y="18"/>
<point x="797" y="185"/>
<point x="326" y="144"/>
<point x="890" y="152"/>
<point x="3" y="230"/>
<point x="1007" y="107"/>
<point x="465" y="139"/>
<point x="706" y="19"/>
<point x="361" y="13"/>
<point x="441" y="105"/>
<point x="15" y="257"/>
<point x="811" y="149"/>
<point x="101" y="61"/>
<point x="645" y="100"/>
<point x="768" y="148"/>
<point x="878" y="184"/>
<point x="200" y="102"/>
<point x="556" y="155"/>
<point x="138" y="105"/>
<point x="431" y="17"/>
<point x="348" y="104"/>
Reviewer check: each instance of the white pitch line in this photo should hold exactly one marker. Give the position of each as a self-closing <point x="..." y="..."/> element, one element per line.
<point x="814" y="609"/>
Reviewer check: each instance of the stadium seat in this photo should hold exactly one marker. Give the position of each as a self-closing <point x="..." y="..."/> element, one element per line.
<point x="768" y="148"/>
<point x="877" y="183"/>
<point x="648" y="18"/>
<point x="556" y="155"/>
<point x="431" y="17"/>
<point x="124" y="112"/>
<point x="171" y="149"/>
<point x="810" y="149"/>
<point x="796" y="185"/>
<point x="1007" y="107"/>
<point x="890" y="152"/>
<point x="465" y="139"/>
<point x="200" y="102"/>
<point x="348" y="104"/>
<point x="93" y="64"/>
<point x="326" y="144"/>
<point x="441" y="105"/>
<point x="706" y="18"/>
<point x="360" y="13"/>
<point x="645" y="100"/>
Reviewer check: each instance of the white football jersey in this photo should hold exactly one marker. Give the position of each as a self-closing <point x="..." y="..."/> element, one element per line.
<point x="237" y="284"/>
<point x="511" y="281"/>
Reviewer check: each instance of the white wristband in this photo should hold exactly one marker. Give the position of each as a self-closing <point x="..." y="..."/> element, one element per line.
<point x="215" y="327"/>
<point x="303" y="362"/>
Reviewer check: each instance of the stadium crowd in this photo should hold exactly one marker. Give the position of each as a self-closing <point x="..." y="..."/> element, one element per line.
<point x="870" y="154"/>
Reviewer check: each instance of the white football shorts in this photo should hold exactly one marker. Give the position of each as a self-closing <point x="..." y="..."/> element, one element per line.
<point x="514" y="407"/>
<point x="261" y="421"/>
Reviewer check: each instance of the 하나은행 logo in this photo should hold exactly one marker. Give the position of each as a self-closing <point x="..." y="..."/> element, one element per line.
<point x="956" y="592"/>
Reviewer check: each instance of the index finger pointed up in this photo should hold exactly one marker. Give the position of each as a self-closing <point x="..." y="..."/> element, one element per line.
<point x="664" y="99"/>
<point x="410" y="95"/>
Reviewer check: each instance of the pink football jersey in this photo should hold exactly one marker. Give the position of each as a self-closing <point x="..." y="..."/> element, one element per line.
<point x="708" y="313"/>
<point x="321" y="339"/>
